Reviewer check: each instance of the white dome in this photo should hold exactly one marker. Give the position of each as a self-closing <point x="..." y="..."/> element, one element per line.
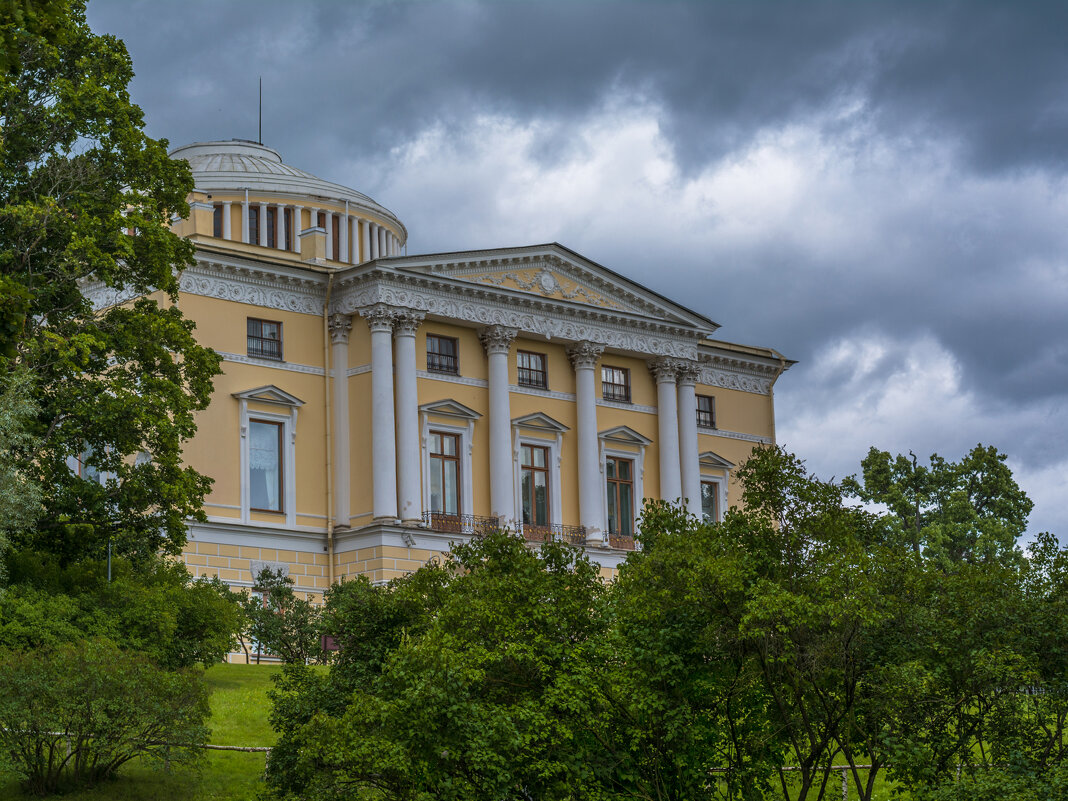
<point x="238" y="165"/>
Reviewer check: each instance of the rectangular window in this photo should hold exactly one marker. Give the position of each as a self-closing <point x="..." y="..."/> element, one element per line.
<point x="264" y="339"/>
<point x="531" y="370"/>
<point x="320" y="220"/>
<point x="706" y="411"/>
<point x="441" y="354"/>
<point x="709" y="501"/>
<point x="272" y="226"/>
<point x="287" y="219"/>
<point x="217" y="221"/>
<point x="265" y="466"/>
<point x="620" y="477"/>
<point x="335" y="237"/>
<point x="444" y="473"/>
<point x="615" y="384"/>
<point x="534" y="483"/>
<point x="254" y="224"/>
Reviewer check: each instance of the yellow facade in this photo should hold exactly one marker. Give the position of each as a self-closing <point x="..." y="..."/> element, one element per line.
<point x="351" y="390"/>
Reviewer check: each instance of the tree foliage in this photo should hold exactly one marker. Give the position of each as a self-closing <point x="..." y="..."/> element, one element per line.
<point x="86" y="201"/>
<point x="971" y="510"/>
<point x="278" y="623"/>
<point x="76" y="713"/>
<point x="747" y="659"/>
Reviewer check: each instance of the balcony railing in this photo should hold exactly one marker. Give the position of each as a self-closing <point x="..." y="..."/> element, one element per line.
<point x="576" y="535"/>
<point x="471" y="525"/>
<point x="621" y="541"/>
<point x="442" y="363"/>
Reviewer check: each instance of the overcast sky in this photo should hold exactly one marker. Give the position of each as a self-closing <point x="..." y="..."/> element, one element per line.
<point x="877" y="190"/>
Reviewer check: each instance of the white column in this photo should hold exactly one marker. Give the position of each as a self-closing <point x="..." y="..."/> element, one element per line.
<point x="226" y="219"/>
<point x="497" y="340"/>
<point x="330" y="235"/>
<point x="384" y="433"/>
<point x="408" y="471"/>
<point x="688" y="452"/>
<point x="280" y="227"/>
<point x="340" y="326"/>
<point x="365" y="239"/>
<point x="667" y="415"/>
<point x="244" y="218"/>
<point x="584" y="356"/>
<point x="262" y="227"/>
<point x="296" y="228"/>
<point x="374" y="241"/>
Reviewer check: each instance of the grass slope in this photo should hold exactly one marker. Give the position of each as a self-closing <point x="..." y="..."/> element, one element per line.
<point x="239" y="708"/>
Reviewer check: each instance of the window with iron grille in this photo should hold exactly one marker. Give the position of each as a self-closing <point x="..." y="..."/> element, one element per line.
<point x="531" y="370"/>
<point x="706" y="411"/>
<point x="264" y="339"/>
<point x="441" y="354"/>
<point x="615" y="384"/>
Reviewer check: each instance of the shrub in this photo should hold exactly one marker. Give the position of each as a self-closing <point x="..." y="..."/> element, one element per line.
<point x="74" y="714"/>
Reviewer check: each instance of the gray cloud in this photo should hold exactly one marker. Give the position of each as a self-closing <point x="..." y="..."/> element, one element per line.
<point x="805" y="174"/>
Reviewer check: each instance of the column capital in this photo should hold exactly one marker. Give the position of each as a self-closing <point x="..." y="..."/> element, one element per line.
<point x="688" y="371"/>
<point x="340" y="326"/>
<point x="497" y="338"/>
<point x="665" y="370"/>
<point x="584" y="354"/>
<point x="406" y="322"/>
<point x="379" y="317"/>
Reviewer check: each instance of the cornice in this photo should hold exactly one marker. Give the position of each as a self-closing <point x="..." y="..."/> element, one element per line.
<point x="486" y="306"/>
<point x="268" y="286"/>
<point x="745" y="375"/>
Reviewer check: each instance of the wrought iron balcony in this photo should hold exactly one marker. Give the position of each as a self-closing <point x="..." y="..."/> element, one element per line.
<point x="621" y="541"/>
<point x="471" y="525"/>
<point x="576" y="535"/>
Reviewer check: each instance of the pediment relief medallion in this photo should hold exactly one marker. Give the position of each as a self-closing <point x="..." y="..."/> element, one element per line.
<point x="547" y="283"/>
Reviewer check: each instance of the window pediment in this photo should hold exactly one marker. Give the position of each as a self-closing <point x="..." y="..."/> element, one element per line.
<point x="713" y="460"/>
<point x="624" y="435"/>
<point x="449" y="408"/>
<point x="539" y="421"/>
<point x="270" y="394"/>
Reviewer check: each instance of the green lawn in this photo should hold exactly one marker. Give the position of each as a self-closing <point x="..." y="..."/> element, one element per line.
<point x="238" y="717"/>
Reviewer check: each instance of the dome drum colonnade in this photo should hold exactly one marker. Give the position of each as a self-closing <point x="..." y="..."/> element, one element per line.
<point x="219" y="168"/>
<point x="395" y="422"/>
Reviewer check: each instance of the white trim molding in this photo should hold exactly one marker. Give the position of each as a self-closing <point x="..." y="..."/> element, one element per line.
<point x="271" y="395"/>
<point x="452" y="417"/>
<point x="541" y="431"/>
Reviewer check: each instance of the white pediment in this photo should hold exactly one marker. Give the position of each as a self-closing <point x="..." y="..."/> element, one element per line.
<point x="625" y="435"/>
<point x="539" y="421"/>
<point x="269" y="394"/>
<point x="450" y="408"/>
<point x="710" y="459"/>
<point x="555" y="273"/>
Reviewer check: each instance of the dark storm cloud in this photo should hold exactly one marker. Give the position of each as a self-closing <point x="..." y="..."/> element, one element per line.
<point x="994" y="76"/>
<point x="933" y="228"/>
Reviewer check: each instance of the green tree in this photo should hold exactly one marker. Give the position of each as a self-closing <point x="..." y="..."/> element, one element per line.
<point x="85" y="206"/>
<point x="478" y="702"/>
<point x="75" y="714"/>
<point x="279" y="623"/>
<point x="971" y="510"/>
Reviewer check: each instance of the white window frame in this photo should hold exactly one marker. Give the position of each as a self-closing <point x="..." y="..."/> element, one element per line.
<point x="615" y="442"/>
<point x="541" y="431"/>
<point x="716" y="470"/>
<point x="459" y="419"/>
<point x="270" y="395"/>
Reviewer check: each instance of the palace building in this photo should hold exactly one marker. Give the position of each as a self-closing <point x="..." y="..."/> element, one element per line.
<point x="376" y="406"/>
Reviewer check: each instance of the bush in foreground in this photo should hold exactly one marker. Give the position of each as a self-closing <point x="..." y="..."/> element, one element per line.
<point x="75" y="714"/>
